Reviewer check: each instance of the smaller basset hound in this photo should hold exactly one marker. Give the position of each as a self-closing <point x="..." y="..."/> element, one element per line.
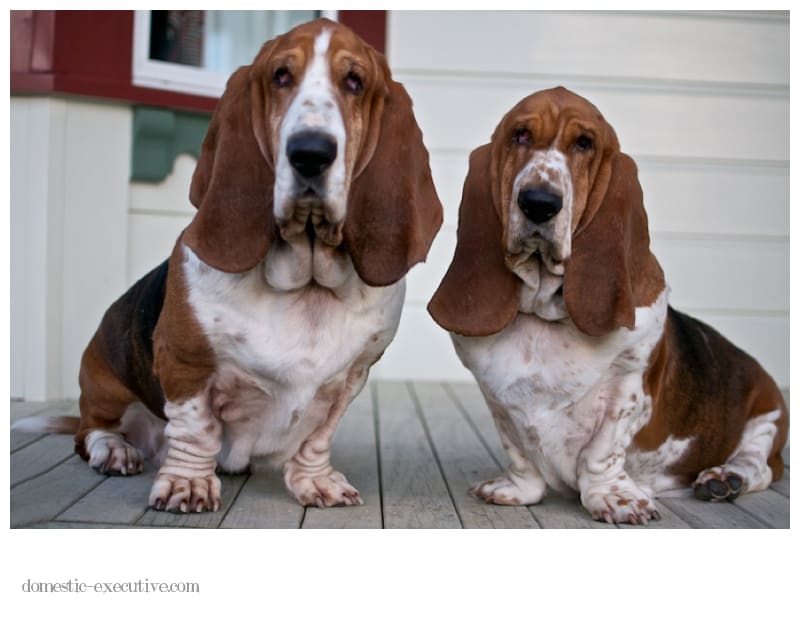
<point x="559" y="309"/>
<point x="314" y="198"/>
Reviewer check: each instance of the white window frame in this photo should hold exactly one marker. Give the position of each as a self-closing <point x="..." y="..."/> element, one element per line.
<point x="161" y="75"/>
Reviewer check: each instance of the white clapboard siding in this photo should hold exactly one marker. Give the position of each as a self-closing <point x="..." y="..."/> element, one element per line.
<point x="699" y="99"/>
<point x="744" y="48"/>
<point x="736" y="274"/>
<point x="696" y="198"/>
<point x="151" y="239"/>
<point x="69" y="179"/>
<point x="158" y="213"/>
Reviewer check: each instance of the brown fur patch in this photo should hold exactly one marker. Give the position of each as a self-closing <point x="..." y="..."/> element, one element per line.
<point x="700" y="385"/>
<point x="103" y="398"/>
<point x="183" y="358"/>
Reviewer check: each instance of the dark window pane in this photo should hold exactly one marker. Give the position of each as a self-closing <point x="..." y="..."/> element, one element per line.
<point x="177" y="36"/>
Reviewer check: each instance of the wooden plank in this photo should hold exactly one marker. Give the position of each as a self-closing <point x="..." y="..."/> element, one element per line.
<point x="669" y="520"/>
<point x="231" y="484"/>
<point x="561" y="512"/>
<point x="69" y="524"/>
<point x="44" y="497"/>
<point x="264" y="503"/>
<point x="470" y="398"/>
<point x="768" y="506"/>
<point x="465" y="461"/>
<point x="118" y="500"/>
<point x="44" y="408"/>
<point x="18" y="440"/>
<point x="354" y="452"/>
<point x="24" y="408"/>
<point x="706" y="515"/>
<point x="40" y="456"/>
<point x="414" y="493"/>
<point x="782" y="485"/>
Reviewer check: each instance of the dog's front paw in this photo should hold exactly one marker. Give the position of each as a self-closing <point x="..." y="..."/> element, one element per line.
<point x="324" y="490"/>
<point x="621" y="502"/>
<point x="178" y="494"/>
<point x="510" y="490"/>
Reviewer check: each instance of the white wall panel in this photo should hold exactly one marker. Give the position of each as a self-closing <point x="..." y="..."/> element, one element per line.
<point x="69" y="200"/>
<point x="170" y="196"/>
<point x="96" y="170"/>
<point x="421" y="350"/>
<point x="695" y="198"/>
<point x="737" y="275"/>
<point x="744" y="48"/>
<point x="158" y="214"/>
<point x="151" y="239"/>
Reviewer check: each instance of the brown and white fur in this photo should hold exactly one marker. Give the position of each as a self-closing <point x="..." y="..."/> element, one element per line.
<point x="314" y="199"/>
<point x="558" y="308"/>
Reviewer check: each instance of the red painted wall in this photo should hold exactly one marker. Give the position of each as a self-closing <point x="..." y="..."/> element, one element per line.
<point x="89" y="53"/>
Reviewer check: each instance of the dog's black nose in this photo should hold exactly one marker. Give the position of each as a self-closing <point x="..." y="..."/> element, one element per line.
<point x="311" y="153"/>
<point x="538" y="205"/>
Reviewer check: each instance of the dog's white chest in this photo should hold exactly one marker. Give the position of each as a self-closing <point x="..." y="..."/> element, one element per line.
<point x="283" y="357"/>
<point x="554" y="382"/>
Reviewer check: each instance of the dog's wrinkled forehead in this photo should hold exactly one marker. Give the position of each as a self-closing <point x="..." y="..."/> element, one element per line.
<point x="286" y="59"/>
<point x="551" y="116"/>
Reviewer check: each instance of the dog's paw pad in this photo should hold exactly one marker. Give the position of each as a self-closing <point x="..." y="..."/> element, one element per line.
<point x="718" y="485"/>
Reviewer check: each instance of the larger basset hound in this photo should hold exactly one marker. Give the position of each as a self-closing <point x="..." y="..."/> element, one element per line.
<point x="314" y="198"/>
<point x="559" y="309"/>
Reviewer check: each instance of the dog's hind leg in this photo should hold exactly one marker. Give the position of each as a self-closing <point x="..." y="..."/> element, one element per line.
<point x="103" y="403"/>
<point x="753" y="465"/>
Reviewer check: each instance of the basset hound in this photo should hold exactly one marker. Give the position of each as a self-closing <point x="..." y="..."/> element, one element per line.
<point x="559" y="309"/>
<point x="314" y="198"/>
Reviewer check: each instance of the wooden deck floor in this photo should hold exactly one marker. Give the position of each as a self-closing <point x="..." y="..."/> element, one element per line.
<point x="412" y="450"/>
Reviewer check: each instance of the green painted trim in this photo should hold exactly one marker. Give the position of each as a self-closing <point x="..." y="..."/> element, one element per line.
<point x="159" y="136"/>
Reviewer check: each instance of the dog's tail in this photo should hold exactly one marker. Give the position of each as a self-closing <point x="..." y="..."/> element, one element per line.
<point x="47" y="425"/>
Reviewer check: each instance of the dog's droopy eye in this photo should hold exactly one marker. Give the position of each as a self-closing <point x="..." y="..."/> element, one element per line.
<point x="282" y="77"/>
<point x="522" y="137"/>
<point x="584" y="143"/>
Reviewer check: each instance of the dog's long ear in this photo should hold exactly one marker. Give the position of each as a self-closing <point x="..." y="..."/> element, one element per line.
<point x="478" y="295"/>
<point x="611" y="271"/>
<point x="393" y="212"/>
<point x="232" y="186"/>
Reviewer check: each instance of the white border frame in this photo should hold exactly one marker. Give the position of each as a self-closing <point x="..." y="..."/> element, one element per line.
<point x="171" y="76"/>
